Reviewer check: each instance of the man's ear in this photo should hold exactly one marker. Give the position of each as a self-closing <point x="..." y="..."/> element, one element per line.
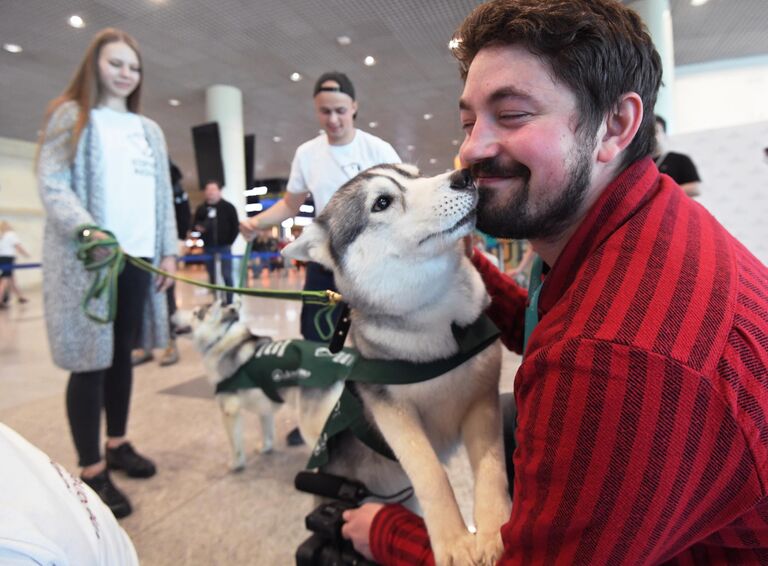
<point x="620" y="127"/>
<point x="312" y="245"/>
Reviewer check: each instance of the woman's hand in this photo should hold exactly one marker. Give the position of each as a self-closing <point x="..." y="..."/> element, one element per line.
<point x="163" y="283"/>
<point x="249" y="228"/>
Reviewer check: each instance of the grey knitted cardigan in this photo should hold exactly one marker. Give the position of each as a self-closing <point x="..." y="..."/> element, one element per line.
<point x="72" y="193"/>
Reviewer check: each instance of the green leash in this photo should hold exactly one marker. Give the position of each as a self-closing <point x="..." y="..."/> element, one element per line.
<point x="106" y="272"/>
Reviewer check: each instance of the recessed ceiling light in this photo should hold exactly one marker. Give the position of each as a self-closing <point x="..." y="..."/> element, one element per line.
<point x="369" y="61"/>
<point x="12" y="48"/>
<point x="411" y="147"/>
<point x="427" y="116"/>
<point x="432" y="160"/>
<point x="454" y="142"/>
<point x="372" y="124"/>
<point x="698" y="2"/>
<point x="454" y="43"/>
<point x="296" y="77"/>
<point x="76" y="21"/>
<point x="174" y="101"/>
<point x="277" y="139"/>
<point x="343" y="40"/>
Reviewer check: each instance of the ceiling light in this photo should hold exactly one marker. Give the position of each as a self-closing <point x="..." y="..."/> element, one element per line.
<point x="411" y="147"/>
<point x="372" y="124"/>
<point x="427" y="116"/>
<point x="296" y="77"/>
<point x="174" y="101"/>
<point x="343" y="40"/>
<point x="454" y="43"/>
<point x="698" y="2"/>
<point x="369" y="61"/>
<point x="76" y="21"/>
<point x="432" y="160"/>
<point x="12" y="48"/>
<point x="277" y="139"/>
<point x="454" y="142"/>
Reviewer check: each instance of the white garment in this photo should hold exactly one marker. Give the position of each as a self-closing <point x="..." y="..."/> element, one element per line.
<point x="128" y="167"/>
<point x="321" y="168"/>
<point x="49" y="517"/>
<point x="8" y="243"/>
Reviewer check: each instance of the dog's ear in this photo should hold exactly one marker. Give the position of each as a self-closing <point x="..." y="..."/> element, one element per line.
<point x="312" y="245"/>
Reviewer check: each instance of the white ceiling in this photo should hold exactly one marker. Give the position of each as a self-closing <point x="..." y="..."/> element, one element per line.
<point x="188" y="45"/>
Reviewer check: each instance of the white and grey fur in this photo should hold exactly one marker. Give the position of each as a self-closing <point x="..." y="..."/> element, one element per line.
<point x="393" y="240"/>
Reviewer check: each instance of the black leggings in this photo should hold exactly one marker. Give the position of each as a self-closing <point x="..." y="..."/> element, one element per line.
<point x="88" y="391"/>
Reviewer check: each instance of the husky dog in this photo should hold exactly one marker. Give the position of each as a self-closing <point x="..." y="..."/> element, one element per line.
<point x="226" y="343"/>
<point x="393" y="241"/>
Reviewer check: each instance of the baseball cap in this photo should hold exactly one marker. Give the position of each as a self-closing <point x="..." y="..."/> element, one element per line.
<point x="345" y="85"/>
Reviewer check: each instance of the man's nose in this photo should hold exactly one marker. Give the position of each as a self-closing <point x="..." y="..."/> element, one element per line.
<point x="481" y="143"/>
<point x="462" y="180"/>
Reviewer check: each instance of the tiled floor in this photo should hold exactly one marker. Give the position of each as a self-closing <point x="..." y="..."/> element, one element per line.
<point x="194" y="511"/>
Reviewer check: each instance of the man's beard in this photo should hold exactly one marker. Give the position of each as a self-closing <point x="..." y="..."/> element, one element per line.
<point x="512" y="218"/>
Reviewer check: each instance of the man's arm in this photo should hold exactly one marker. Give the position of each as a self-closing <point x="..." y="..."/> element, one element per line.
<point x="285" y="208"/>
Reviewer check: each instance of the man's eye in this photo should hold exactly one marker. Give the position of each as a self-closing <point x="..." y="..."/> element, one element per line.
<point x="381" y="203"/>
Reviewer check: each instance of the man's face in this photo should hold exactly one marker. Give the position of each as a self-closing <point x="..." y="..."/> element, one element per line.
<point x="532" y="168"/>
<point x="212" y="193"/>
<point x="335" y="112"/>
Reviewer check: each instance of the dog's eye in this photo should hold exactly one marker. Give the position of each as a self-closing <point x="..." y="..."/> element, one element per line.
<point x="381" y="203"/>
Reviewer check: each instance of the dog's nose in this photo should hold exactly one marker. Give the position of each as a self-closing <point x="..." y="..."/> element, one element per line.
<point x="462" y="180"/>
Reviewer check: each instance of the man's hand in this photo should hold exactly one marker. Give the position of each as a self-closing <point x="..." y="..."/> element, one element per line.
<point x="162" y="283"/>
<point x="357" y="527"/>
<point x="249" y="228"/>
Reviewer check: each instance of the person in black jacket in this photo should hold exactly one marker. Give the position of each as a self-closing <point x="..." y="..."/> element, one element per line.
<point x="216" y="219"/>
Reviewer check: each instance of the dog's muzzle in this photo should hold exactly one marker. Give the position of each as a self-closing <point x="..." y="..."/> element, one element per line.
<point x="461" y="180"/>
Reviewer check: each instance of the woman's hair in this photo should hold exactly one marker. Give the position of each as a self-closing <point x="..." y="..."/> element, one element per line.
<point x="600" y="49"/>
<point x="85" y="86"/>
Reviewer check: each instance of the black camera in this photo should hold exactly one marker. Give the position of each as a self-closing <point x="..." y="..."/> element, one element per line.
<point x="326" y="546"/>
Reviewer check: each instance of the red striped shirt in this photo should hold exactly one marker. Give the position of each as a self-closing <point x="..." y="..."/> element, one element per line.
<point x="642" y="434"/>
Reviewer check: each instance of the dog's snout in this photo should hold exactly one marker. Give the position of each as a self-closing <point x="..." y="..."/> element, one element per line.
<point x="461" y="180"/>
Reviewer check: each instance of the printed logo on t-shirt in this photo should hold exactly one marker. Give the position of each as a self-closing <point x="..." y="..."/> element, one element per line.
<point x="143" y="163"/>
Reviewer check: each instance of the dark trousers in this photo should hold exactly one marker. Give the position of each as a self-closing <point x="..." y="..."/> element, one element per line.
<point x="318" y="278"/>
<point x="225" y="253"/>
<point x="88" y="391"/>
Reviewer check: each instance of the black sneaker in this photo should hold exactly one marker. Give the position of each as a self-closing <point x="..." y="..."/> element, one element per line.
<point x="125" y="458"/>
<point x="294" y="438"/>
<point x="111" y="496"/>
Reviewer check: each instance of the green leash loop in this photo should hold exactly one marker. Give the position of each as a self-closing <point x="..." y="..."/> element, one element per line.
<point x="107" y="270"/>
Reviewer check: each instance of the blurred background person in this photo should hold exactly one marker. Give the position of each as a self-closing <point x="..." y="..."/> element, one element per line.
<point x="216" y="219"/>
<point x="677" y="165"/>
<point x="10" y="247"/>
<point x="101" y="163"/>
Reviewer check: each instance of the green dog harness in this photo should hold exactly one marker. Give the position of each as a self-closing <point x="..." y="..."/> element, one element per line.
<point x="311" y="364"/>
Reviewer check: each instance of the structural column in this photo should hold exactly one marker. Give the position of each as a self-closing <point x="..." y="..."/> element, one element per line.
<point x="658" y="17"/>
<point x="224" y="105"/>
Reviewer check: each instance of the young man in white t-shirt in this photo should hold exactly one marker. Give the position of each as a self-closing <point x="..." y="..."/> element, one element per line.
<point x="320" y="167"/>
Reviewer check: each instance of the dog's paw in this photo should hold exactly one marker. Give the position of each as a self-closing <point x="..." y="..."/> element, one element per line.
<point x="488" y="548"/>
<point x="457" y="551"/>
<point x="237" y="466"/>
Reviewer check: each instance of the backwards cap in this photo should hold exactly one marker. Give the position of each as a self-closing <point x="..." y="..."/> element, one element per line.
<point x="345" y="85"/>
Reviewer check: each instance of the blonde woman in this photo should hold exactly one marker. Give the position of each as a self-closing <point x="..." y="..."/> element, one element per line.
<point x="10" y="246"/>
<point x="100" y="162"/>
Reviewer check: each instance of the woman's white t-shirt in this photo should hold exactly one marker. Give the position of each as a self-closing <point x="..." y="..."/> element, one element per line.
<point x="128" y="169"/>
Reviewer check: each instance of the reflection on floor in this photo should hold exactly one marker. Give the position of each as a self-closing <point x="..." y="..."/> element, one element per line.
<point x="194" y="511"/>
